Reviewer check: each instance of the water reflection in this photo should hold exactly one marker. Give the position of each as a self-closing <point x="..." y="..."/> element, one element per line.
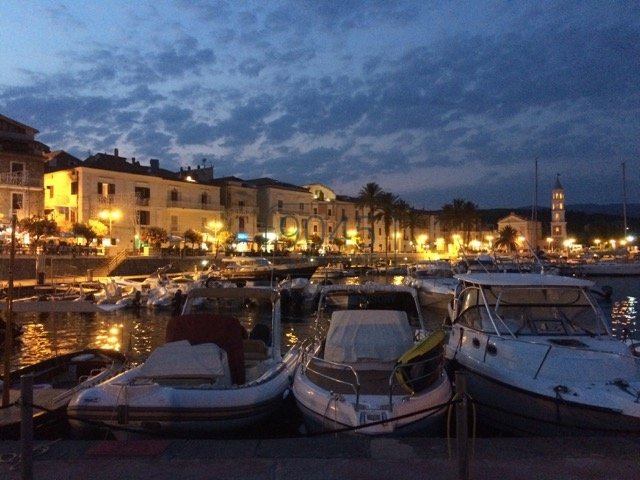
<point x="138" y="332"/>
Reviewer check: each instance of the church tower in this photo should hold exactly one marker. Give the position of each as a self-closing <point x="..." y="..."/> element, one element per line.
<point x="558" y="223"/>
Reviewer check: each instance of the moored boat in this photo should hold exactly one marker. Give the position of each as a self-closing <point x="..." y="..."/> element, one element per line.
<point x="373" y="368"/>
<point x="210" y="376"/>
<point x="55" y="381"/>
<point x="243" y="269"/>
<point x="433" y="279"/>
<point x="539" y="358"/>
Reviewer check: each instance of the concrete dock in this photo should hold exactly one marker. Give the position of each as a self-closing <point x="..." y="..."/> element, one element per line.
<point x="326" y="458"/>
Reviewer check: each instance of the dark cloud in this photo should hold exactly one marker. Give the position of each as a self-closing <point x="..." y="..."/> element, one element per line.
<point x="351" y="91"/>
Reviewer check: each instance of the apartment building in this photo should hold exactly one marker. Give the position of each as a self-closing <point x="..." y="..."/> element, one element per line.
<point x="22" y="160"/>
<point x="128" y="197"/>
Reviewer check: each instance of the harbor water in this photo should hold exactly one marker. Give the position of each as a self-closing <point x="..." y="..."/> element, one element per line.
<point x="138" y="332"/>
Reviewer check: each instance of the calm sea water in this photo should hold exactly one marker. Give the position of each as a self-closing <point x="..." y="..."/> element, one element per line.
<point x="138" y="333"/>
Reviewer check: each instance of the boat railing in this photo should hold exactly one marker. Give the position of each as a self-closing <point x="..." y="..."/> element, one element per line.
<point x="337" y="367"/>
<point x="404" y="378"/>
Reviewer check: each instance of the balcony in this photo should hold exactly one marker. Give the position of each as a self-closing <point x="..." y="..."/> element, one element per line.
<point x="193" y="205"/>
<point x="20" y="179"/>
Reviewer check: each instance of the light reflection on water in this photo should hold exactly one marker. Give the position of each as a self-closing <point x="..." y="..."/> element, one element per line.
<point x="138" y="333"/>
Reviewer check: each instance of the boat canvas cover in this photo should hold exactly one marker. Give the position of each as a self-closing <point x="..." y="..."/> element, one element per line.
<point x="359" y="335"/>
<point x="182" y="360"/>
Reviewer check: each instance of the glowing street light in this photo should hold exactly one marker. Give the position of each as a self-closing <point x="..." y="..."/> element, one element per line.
<point x="111" y="216"/>
<point x="215" y="226"/>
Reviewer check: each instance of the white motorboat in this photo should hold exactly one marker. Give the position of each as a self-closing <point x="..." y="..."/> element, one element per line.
<point x="209" y="377"/>
<point x="539" y="358"/>
<point x="433" y="279"/>
<point x="377" y="370"/>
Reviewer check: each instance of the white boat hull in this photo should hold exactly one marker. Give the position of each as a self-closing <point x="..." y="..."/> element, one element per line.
<point x="324" y="411"/>
<point x="174" y="410"/>
<point x="530" y="387"/>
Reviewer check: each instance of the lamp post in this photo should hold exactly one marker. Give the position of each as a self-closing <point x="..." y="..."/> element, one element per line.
<point x="215" y="227"/>
<point x="111" y="216"/>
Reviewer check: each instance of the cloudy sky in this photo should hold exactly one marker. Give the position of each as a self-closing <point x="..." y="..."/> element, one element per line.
<point x="433" y="100"/>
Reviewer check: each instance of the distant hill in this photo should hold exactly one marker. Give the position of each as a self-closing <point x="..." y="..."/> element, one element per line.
<point x="633" y="209"/>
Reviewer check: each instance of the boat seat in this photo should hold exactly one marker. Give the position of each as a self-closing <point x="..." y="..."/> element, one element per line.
<point x="224" y="330"/>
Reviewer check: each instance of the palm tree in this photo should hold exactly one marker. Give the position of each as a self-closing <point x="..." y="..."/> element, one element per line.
<point x="387" y="205"/>
<point x="413" y="220"/>
<point x="507" y="238"/>
<point x="460" y="215"/>
<point x="369" y="197"/>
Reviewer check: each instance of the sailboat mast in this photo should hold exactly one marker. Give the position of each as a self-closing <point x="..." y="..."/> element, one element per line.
<point x="624" y="200"/>
<point x="534" y="207"/>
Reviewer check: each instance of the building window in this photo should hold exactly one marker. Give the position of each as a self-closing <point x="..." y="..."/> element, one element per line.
<point x="302" y="207"/>
<point x="174" y="223"/>
<point x="204" y="199"/>
<point x="241" y="225"/>
<point x="106" y="189"/>
<point x="280" y="205"/>
<point x="142" y="195"/>
<point x="74" y="188"/>
<point x="18" y="172"/>
<point x="174" y="195"/>
<point x="241" y="203"/>
<point x="329" y="213"/>
<point x="144" y="217"/>
<point x="50" y="190"/>
<point x="315" y="210"/>
<point x="17" y="201"/>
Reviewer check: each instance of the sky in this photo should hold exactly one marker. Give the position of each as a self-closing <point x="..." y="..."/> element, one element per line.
<point x="431" y="100"/>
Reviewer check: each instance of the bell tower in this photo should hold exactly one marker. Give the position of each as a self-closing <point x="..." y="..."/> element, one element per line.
<point x="558" y="223"/>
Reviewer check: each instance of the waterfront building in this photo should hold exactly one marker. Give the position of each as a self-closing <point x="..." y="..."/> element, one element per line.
<point x="128" y="197"/>
<point x="22" y="160"/>
<point x="529" y="230"/>
<point x="239" y="202"/>
<point x="285" y="216"/>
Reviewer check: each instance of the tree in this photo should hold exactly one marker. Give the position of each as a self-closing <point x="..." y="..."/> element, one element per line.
<point x="193" y="237"/>
<point x="387" y="204"/>
<point x="339" y="242"/>
<point x="460" y="215"/>
<point x="369" y="197"/>
<point x="155" y="236"/>
<point x="85" y="231"/>
<point x="507" y="238"/>
<point x="38" y="227"/>
<point x="98" y="227"/>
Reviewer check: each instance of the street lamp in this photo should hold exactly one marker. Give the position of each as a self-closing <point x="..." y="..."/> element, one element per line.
<point x="111" y="216"/>
<point x="215" y="227"/>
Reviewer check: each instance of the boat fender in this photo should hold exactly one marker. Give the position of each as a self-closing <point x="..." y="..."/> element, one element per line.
<point x="414" y="372"/>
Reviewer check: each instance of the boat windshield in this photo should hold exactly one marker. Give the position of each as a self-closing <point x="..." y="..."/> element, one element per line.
<point x="532" y="311"/>
<point x="361" y="300"/>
